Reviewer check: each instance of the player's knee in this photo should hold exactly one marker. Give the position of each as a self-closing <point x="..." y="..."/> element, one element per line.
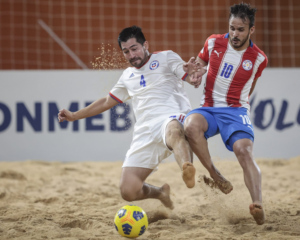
<point x="244" y="154"/>
<point x="189" y="131"/>
<point x="192" y="130"/>
<point x="243" y="151"/>
<point x="195" y="126"/>
<point x="127" y="194"/>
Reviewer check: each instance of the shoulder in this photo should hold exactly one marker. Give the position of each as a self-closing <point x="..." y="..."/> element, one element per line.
<point x="127" y="70"/>
<point x="163" y="53"/>
<point x="257" y="49"/>
<point x="216" y="36"/>
<point x="126" y="73"/>
<point x="221" y="38"/>
<point x="167" y="54"/>
<point x="261" y="54"/>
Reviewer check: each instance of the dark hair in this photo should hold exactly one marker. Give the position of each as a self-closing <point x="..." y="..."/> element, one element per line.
<point x="131" y="32"/>
<point x="243" y="11"/>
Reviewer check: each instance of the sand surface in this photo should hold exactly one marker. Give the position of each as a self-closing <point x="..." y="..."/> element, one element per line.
<point x="42" y="200"/>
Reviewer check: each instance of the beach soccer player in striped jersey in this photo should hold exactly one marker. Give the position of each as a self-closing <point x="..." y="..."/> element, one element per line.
<point x="234" y="63"/>
<point x="154" y="83"/>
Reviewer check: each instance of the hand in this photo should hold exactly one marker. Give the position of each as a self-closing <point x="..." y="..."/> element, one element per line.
<point x="195" y="81"/>
<point x="196" y="77"/>
<point x="195" y="70"/>
<point x="191" y="66"/>
<point x="65" y="115"/>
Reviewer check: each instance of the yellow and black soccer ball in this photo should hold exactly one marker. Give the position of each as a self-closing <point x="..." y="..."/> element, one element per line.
<point x="131" y="221"/>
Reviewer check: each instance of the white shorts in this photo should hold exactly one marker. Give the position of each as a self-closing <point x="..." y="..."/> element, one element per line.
<point x="148" y="147"/>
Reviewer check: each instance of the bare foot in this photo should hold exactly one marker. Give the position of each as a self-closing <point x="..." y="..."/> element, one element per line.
<point x="220" y="182"/>
<point x="188" y="174"/>
<point x="257" y="212"/>
<point x="224" y="185"/>
<point x="165" y="196"/>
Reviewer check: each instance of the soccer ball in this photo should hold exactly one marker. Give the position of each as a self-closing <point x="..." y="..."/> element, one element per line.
<point x="131" y="221"/>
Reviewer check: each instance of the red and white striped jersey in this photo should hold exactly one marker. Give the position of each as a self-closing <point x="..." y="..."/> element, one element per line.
<point x="230" y="73"/>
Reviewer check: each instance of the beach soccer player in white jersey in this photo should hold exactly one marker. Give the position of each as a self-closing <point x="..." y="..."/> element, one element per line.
<point x="154" y="83"/>
<point x="234" y="63"/>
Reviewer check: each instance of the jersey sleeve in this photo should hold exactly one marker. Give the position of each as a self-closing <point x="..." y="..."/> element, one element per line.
<point x="119" y="92"/>
<point x="208" y="45"/>
<point x="204" y="54"/>
<point x="261" y="67"/>
<point x="175" y="62"/>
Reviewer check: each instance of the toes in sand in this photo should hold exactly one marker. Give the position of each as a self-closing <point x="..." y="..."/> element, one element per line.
<point x="224" y="185"/>
<point x="188" y="174"/>
<point x="165" y="196"/>
<point x="257" y="212"/>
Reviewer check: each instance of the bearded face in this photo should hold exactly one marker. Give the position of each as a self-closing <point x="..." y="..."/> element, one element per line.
<point x="135" y="53"/>
<point x="239" y="33"/>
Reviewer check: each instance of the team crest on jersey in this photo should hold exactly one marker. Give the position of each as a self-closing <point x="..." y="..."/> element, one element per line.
<point x="154" y="65"/>
<point x="247" y="65"/>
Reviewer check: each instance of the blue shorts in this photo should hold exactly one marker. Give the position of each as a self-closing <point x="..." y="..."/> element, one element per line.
<point x="232" y="123"/>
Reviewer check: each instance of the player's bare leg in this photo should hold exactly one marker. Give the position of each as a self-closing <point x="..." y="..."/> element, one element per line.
<point x="176" y="141"/>
<point x="195" y="126"/>
<point x="133" y="187"/>
<point x="252" y="176"/>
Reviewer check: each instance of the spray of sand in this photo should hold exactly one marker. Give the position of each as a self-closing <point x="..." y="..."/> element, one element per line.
<point x="109" y="58"/>
<point x="231" y="208"/>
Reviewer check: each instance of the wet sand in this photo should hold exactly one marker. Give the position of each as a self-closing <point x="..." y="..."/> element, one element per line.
<point x="43" y="200"/>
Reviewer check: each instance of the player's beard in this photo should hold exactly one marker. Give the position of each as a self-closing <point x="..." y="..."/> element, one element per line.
<point x="243" y="42"/>
<point x="143" y="61"/>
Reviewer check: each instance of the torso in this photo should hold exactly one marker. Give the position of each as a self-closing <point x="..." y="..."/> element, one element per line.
<point x="154" y="88"/>
<point x="230" y="73"/>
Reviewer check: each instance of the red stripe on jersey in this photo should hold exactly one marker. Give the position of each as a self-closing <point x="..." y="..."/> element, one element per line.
<point x="214" y="65"/>
<point x="114" y="97"/>
<point x="240" y="79"/>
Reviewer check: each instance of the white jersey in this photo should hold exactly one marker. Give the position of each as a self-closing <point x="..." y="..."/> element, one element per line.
<point x="156" y="88"/>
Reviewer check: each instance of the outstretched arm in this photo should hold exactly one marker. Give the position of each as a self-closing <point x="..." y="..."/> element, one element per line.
<point x="97" y="107"/>
<point x="195" y="69"/>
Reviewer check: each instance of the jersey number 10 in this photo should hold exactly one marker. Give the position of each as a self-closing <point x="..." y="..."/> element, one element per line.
<point x="226" y="70"/>
<point x="143" y="82"/>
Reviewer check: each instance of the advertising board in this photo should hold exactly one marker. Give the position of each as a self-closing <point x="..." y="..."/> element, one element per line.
<point x="30" y="100"/>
